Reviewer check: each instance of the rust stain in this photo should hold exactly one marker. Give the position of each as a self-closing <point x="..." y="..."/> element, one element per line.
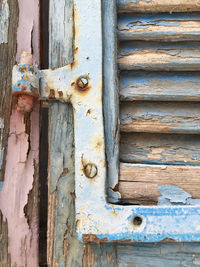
<point x="74" y="64"/>
<point x="168" y="240"/>
<point x="88" y="112"/>
<point x="98" y="144"/>
<point x="65" y="172"/>
<point x="60" y="93"/>
<point x="23" y="69"/>
<point x="81" y="91"/>
<point x="51" y="93"/>
<point x="126" y="240"/>
<point x="93" y="238"/>
<point x="90" y="170"/>
<point x="88" y="258"/>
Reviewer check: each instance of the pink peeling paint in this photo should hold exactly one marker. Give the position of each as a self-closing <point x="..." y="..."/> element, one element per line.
<point x="22" y="157"/>
<point x="19" y="175"/>
<point x="28" y="34"/>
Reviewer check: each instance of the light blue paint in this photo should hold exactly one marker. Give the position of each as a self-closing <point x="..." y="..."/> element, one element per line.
<point x="124" y="2"/>
<point x="26" y="79"/>
<point x="1" y="186"/>
<point x="173" y="194"/>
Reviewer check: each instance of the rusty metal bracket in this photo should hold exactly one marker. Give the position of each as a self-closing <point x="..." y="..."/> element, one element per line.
<point x="81" y="85"/>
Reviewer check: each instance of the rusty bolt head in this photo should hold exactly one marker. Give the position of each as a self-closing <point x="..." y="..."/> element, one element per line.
<point x="90" y="170"/>
<point x="82" y="83"/>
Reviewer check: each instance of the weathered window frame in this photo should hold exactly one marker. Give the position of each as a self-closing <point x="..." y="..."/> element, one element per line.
<point x="97" y="217"/>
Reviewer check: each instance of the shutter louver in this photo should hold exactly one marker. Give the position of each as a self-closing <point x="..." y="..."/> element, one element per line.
<point x="159" y="63"/>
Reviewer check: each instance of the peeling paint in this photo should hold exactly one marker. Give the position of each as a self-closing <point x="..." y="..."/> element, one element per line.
<point x="28" y="35"/>
<point x="173" y="195"/>
<point x="19" y="175"/>
<point x="4" y="21"/>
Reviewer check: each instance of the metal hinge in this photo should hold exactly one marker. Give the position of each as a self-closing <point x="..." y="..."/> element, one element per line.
<point x="81" y="85"/>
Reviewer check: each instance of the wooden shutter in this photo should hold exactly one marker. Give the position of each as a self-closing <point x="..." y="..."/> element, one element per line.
<point x="159" y="63"/>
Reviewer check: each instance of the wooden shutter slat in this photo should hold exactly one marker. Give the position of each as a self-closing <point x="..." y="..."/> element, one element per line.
<point x="159" y="56"/>
<point x="162" y="26"/>
<point x="160" y="117"/>
<point x="143" y="181"/>
<point x="126" y="6"/>
<point x="161" y="86"/>
<point x="159" y="148"/>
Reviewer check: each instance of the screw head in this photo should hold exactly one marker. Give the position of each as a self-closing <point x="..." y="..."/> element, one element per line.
<point x="82" y="83"/>
<point x="90" y="170"/>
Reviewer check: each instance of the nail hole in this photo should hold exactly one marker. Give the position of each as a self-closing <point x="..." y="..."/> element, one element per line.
<point x="137" y="221"/>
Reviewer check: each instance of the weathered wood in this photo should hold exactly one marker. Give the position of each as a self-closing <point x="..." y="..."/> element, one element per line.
<point x="63" y="248"/>
<point x="159" y="56"/>
<point x="160" y="117"/>
<point x="110" y="95"/>
<point x="8" y="41"/>
<point x="160" y="148"/>
<point x="158" y="6"/>
<point x="159" y="254"/>
<point x="61" y="32"/>
<point x="160" y="86"/>
<point x="140" y="183"/>
<point x="19" y="224"/>
<point x="159" y="27"/>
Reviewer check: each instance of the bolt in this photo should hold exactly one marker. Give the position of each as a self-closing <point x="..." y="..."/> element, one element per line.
<point x="82" y="83"/>
<point x="90" y="170"/>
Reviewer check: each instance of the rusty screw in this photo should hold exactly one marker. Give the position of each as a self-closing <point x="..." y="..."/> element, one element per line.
<point x="82" y="83"/>
<point x="90" y="170"/>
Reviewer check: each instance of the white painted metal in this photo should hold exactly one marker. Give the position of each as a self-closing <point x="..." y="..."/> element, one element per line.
<point x="97" y="219"/>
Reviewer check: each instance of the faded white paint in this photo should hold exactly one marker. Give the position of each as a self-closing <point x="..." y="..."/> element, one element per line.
<point x="94" y="215"/>
<point x="4" y="21"/>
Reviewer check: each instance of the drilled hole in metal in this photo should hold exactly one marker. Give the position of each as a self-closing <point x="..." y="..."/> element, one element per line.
<point x="137" y="221"/>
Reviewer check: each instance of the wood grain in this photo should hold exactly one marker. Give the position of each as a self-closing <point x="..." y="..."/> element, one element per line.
<point x="63" y="248"/>
<point x="7" y="55"/>
<point x="159" y="86"/>
<point x="139" y="183"/>
<point x="160" y="148"/>
<point x="159" y="27"/>
<point x="110" y="95"/>
<point x="158" y="6"/>
<point x="159" y="117"/>
<point x="159" y="56"/>
<point x="158" y="254"/>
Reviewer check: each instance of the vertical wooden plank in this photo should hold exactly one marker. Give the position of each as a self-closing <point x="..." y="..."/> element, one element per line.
<point x="63" y="248"/>
<point x="19" y="194"/>
<point x="8" y="28"/>
<point x="8" y="41"/>
<point x="61" y="32"/>
<point x="111" y="95"/>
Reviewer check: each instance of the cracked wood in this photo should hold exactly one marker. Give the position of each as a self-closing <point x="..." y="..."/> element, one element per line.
<point x="126" y="6"/>
<point x="160" y="117"/>
<point x="159" y="56"/>
<point x="139" y="183"/>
